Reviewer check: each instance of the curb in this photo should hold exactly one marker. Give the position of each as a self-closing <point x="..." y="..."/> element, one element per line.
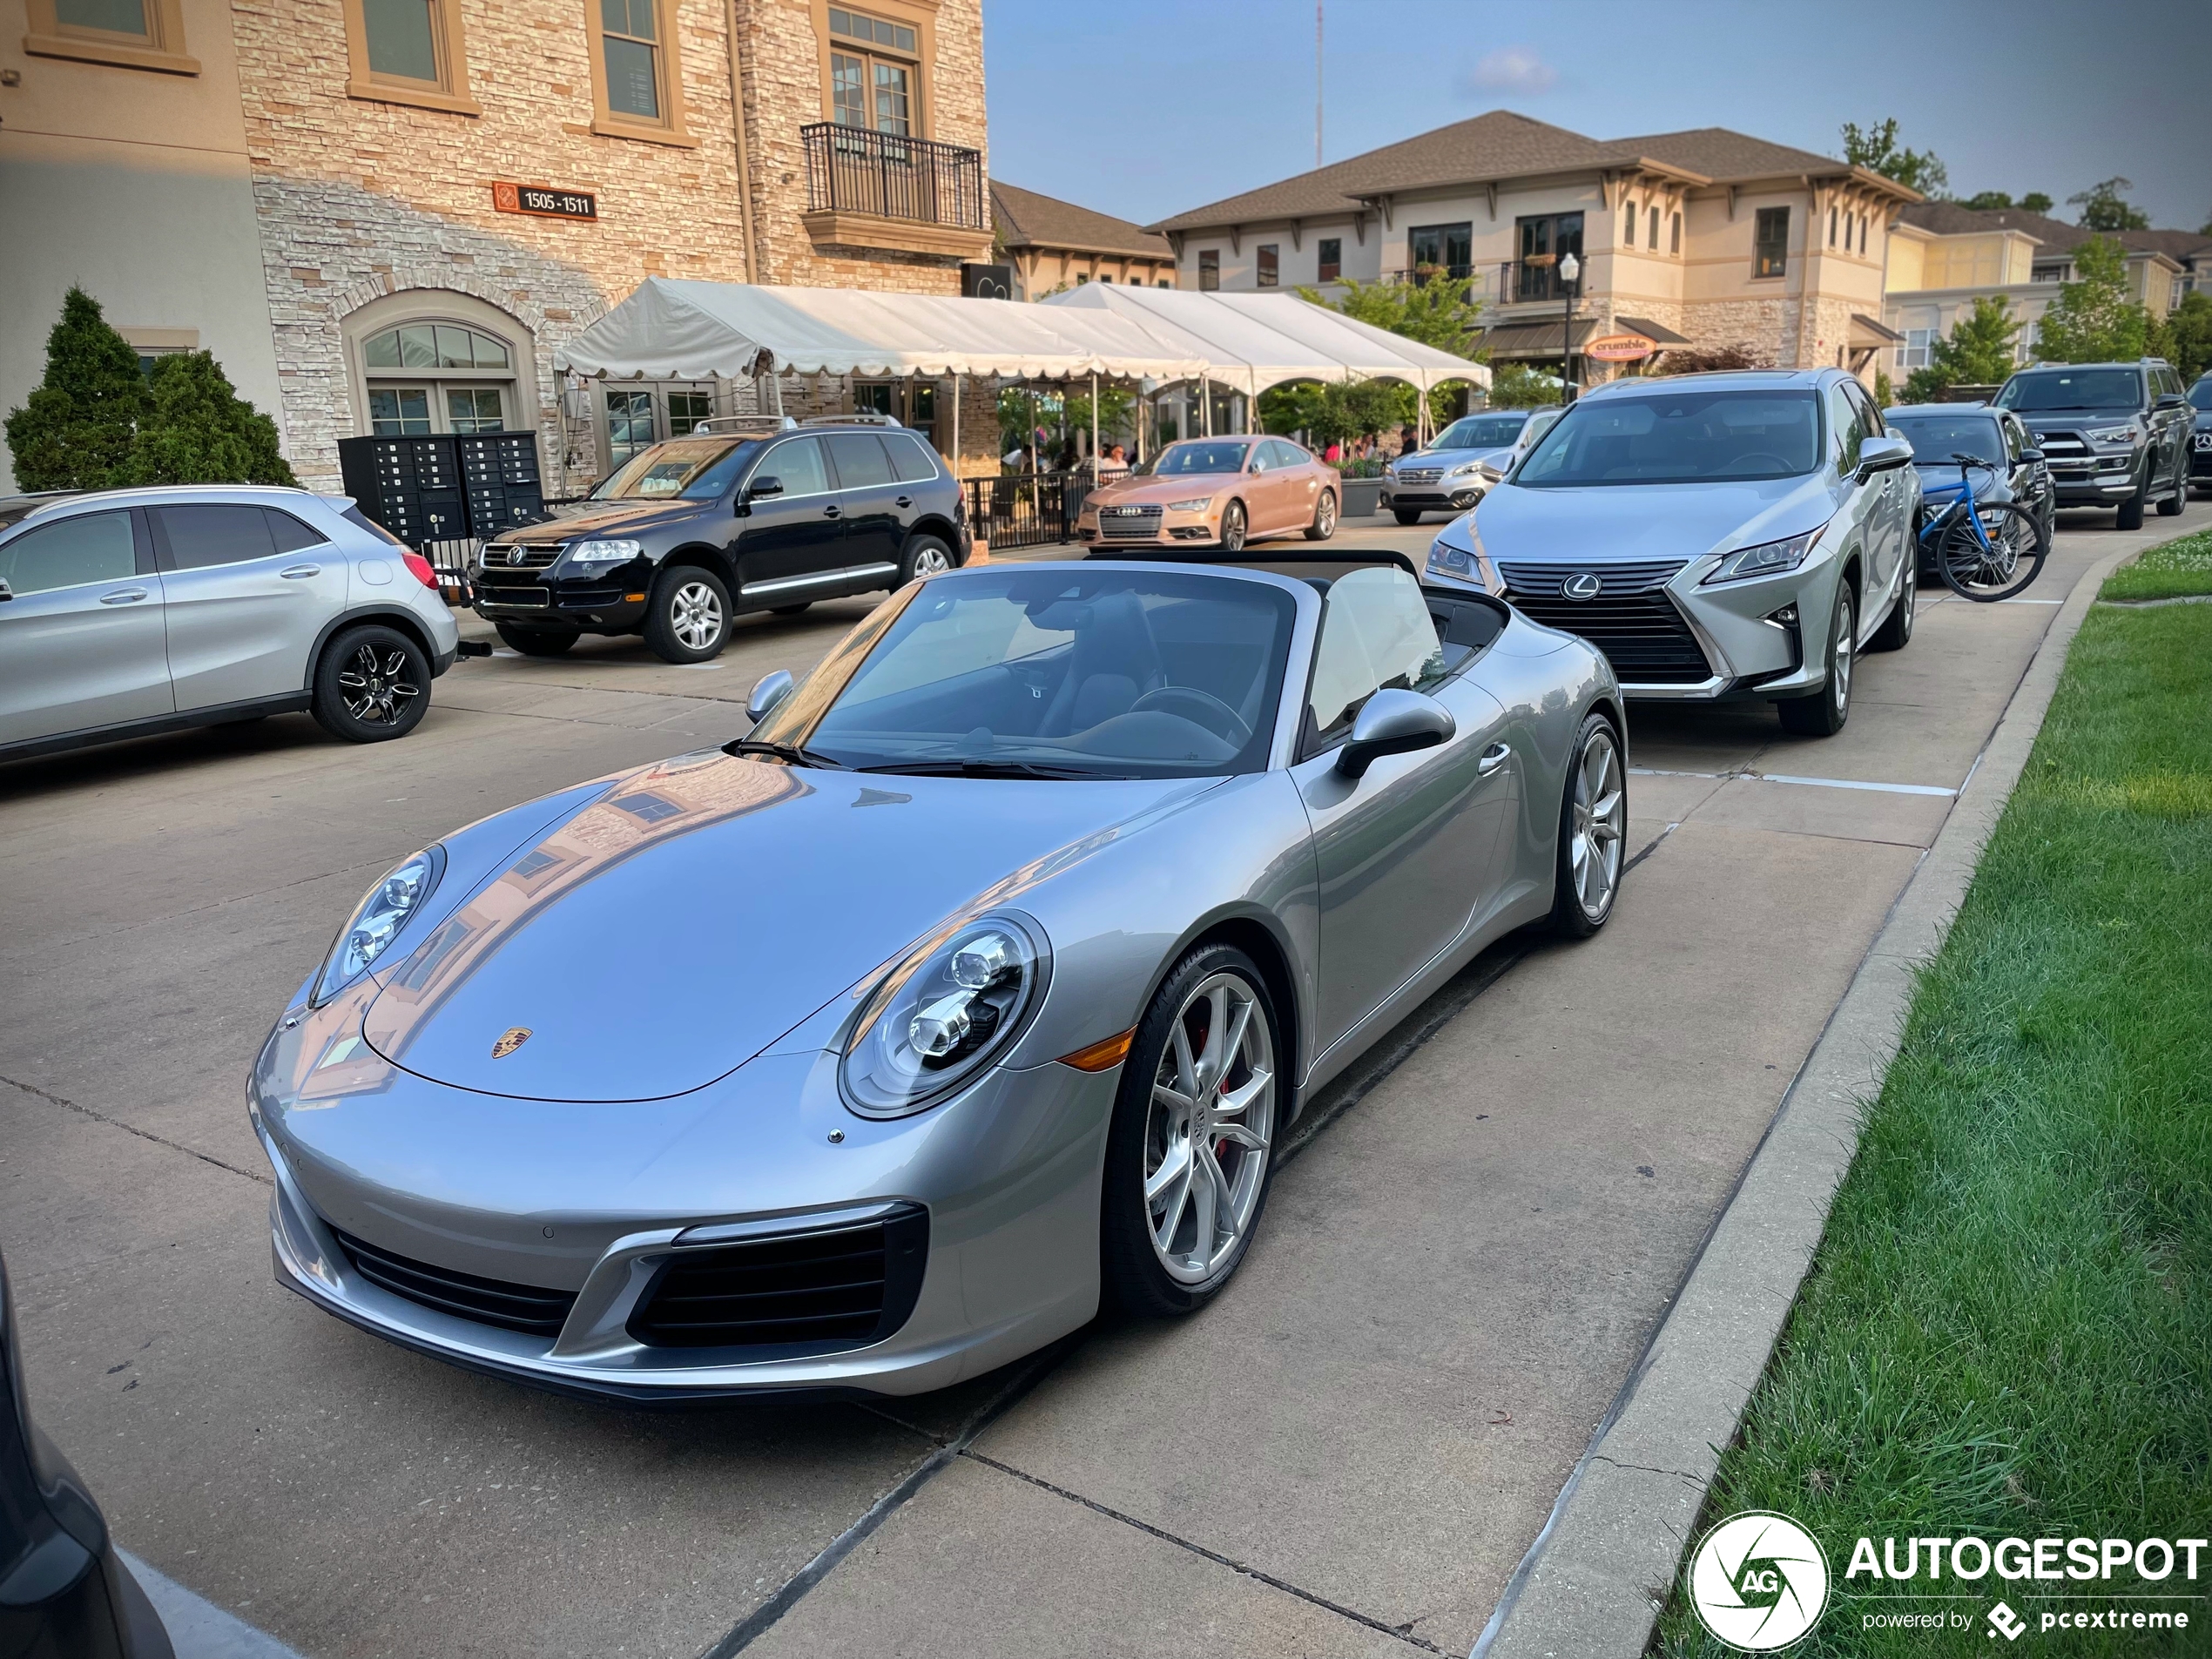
<point x="1592" y="1584"/>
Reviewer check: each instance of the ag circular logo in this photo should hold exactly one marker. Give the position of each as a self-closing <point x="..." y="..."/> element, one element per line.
<point x="1583" y="585"/>
<point x="1758" y="1582"/>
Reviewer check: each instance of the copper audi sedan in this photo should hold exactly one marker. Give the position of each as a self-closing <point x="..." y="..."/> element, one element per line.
<point x="1220" y="492"/>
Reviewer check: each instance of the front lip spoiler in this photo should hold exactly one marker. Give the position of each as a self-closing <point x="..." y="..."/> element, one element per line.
<point x="1703" y="690"/>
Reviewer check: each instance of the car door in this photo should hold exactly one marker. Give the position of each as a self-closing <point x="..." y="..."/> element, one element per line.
<point x="1271" y="508"/>
<point x="1407" y="853"/>
<point x="1890" y="534"/>
<point x="869" y="495"/>
<point x="248" y="591"/>
<point x="1865" y="503"/>
<point x="81" y="642"/>
<point x="790" y="543"/>
<point x="1299" y="482"/>
<point x="2030" y="485"/>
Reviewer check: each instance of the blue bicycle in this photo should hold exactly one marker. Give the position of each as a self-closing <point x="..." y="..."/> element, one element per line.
<point x="1985" y="550"/>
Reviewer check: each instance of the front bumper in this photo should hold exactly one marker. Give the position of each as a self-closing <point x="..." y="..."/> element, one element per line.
<point x="504" y="596"/>
<point x="2094" y="486"/>
<point x="1448" y="498"/>
<point x="2201" y="453"/>
<point x="595" y="1201"/>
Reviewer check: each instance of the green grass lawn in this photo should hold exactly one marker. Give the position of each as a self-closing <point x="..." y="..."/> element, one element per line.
<point x="2007" y="1329"/>
<point x="2166" y="572"/>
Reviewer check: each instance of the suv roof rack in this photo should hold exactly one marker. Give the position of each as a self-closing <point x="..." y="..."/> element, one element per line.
<point x="859" y="417"/>
<point x="742" y="423"/>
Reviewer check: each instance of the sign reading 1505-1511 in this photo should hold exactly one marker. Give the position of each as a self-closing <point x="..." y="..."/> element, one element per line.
<point x="545" y="201"/>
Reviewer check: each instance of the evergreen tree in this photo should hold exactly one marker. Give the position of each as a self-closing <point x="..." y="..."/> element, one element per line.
<point x="2185" y="338"/>
<point x="198" y="430"/>
<point x="74" y="430"/>
<point x="2092" y="321"/>
<point x="1978" y="353"/>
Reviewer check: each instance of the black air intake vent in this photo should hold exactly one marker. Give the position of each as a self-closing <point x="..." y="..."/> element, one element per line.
<point x="817" y="1292"/>
<point x="517" y="1307"/>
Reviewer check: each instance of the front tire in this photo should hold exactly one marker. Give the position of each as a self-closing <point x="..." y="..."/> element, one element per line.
<point x="1823" y="714"/>
<point x="924" y="556"/>
<point x="1324" y="518"/>
<point x="2171" y="506"/>
<point x="1233" y="528"/>
<point x="687" y="619"/>
<point x="2130" y="514"/>
<point x="371" y="684"/>
<point x="1406" y="515"/>
<point x="1593" y="831"/>
<point x="1191" y="1152"/>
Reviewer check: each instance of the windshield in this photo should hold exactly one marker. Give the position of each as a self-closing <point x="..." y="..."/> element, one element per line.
<point x="2076" y="389"/>
<point x="697" y="468"/>
<point x="1936" y="438"/>
<point x="1182" y="459"/>
<point x="2200" y="395"/>
<point x="1097" y="672"/>
<point x="1480" y="432"/>
<point x="1690" y="436"/>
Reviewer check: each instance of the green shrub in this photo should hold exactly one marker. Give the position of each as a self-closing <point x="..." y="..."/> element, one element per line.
<point x="74" y="431"/>
<point x="198" y="430"/>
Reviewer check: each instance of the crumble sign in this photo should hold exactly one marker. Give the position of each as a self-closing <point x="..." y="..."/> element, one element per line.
<point x="1620" y="348"/>
<point x="545" y="201"/>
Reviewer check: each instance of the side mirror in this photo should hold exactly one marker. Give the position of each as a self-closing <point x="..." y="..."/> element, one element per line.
<point x="770" y="690"/>
<point x="1393" y="722"/>
<point x="6" y="593"/>
<point x="1883" y="453"/>
<point x="2171" y="400"/>
<point x="2031" y="457"/>
<point x="760" y="487"/>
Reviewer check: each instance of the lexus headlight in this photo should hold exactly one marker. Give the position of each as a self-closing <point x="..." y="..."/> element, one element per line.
<point x="1768" y="558"/>
<point x="943" y="1015"/>
<point x="2117" y="435"/>
<point x="619" y="550"/>
<point x="1198" y="505"/>
<point x="376" y="922"/>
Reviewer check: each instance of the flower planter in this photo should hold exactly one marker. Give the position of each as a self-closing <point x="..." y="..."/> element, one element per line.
<point x="1359" y="497"/>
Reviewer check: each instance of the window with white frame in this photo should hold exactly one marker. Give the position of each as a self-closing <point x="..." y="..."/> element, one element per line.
<point x="1913" y="354"/>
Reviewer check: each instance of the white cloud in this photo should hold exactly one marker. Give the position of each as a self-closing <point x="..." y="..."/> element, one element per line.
<point x="1512" y="69"/>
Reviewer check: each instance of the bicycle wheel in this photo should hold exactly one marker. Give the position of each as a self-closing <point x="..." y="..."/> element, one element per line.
<point x="2012" y="559"/>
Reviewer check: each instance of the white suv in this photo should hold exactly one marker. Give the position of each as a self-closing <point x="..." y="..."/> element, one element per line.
<point x="125" y="613"/>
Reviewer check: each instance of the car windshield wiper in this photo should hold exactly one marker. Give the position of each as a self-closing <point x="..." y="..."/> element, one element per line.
<point x="790" y="754"/>
<point x="975" y="768"/>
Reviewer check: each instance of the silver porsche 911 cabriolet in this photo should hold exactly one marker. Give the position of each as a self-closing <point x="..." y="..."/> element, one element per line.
<point x="978" y="985"/>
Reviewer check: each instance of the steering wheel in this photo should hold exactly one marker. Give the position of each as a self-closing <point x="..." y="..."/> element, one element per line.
<point x="1204" y="709"/>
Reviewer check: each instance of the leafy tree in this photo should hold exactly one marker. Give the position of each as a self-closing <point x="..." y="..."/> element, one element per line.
<point x="1989" y="201"/>
<point x="1700" y="360"/>
<point x="2036" y="202"/>
<point x="2092" y="321"/>
<point x="1441" y="311"/>
<point x="198" y="430"/>
<point x="1978" y="353"/>
<point x="2185" y="338"/>
<point x="2103" y="208"/>
<point x="1876" y="150"/>
<point x="1519" y="386"/>
<point x="74" y="430"/>
<point x="1884" y="393"/>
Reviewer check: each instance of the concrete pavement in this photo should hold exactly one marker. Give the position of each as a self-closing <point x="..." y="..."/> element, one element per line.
<point x="1361" y="1438"/>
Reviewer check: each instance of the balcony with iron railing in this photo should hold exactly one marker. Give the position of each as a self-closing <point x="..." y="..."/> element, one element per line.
<point x="870" y="189"/>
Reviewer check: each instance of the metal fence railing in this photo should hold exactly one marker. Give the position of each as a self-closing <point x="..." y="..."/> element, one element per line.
<point x="1026" y="508"/>
<point x="856" y="171"/>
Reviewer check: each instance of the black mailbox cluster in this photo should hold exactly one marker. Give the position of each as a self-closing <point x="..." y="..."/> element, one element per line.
<point x="445" y="487"/>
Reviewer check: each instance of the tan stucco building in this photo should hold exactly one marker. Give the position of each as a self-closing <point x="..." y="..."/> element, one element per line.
<point x="310" y="188"/>
<point x="1049" y="244"/>
<point x="1706" y="238"/>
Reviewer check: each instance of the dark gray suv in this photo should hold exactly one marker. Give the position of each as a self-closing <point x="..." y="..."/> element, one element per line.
<point x="689" y="533"/>
<point x="2201" y="438"/>
<point x="2113" y="435"/>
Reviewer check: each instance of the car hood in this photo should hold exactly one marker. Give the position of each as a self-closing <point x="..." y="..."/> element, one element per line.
<point x="1644" y="521"/>
<point x="1449" y="458"/>
<point x="666" y="933"/>
<point x="606" y="518"/>
<point x="1156" y="492"/>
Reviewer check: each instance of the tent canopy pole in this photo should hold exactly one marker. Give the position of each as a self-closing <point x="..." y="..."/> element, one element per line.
<point x="1094" y="430"/>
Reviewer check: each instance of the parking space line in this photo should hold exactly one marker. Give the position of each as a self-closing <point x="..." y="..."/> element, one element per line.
<point x="1785" y="778"/>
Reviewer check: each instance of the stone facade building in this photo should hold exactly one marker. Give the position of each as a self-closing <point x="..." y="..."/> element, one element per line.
<point x="1704" y="238"/>
<point x="433" y="195"/>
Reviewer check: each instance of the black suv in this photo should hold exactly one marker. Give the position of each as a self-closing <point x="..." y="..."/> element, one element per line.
<point x="2200" y="453"/>
<point x="746" y="515"/>
<point x="2113" y="435"/>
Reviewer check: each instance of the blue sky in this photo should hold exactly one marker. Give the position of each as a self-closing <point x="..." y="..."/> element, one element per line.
<point x="1144" y="108"/>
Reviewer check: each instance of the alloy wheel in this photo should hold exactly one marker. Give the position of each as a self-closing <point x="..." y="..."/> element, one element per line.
<point x="1598" y="824"/>
<point x="1232" y="529"/>
<point x="695" y="615"/>
<point x="1328" y="524"/>
<point x="1839" y="666"/>
<point x="374" y="685"/>
<point x="932" y="561"/>
<point x="1909" y="595"/>
<point x="1210" y="1128"/>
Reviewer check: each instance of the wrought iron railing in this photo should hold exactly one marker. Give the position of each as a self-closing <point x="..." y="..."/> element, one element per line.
<point x="1520" y="282"/>
<point x="854" y="170"/>
<point x="1026" y="508"/>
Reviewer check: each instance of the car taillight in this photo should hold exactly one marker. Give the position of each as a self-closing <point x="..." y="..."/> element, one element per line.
<point x="420" y="570"/>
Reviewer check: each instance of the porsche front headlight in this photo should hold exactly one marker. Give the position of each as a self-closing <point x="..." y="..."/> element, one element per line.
<point x="940" y="1016"/>
<point x="378" y="920"/>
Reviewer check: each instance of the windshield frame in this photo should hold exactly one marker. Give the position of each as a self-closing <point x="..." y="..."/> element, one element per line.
<point x="797" y="721"/>
<point x="1522" y="416"/>
<point x="2137" y="401"/>
<point x="1566" y="422"/>
<point x="1152" y="470"/>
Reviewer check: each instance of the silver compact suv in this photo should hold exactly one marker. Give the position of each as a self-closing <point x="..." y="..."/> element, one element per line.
<point x="1721" y="537"/>
<point x="125" y="613"/>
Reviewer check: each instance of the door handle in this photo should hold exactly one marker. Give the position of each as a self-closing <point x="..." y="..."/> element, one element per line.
<point x="301" y="572"/>
<point x="830" y="512"/>
<point x="124" y="597"/>
<point x="1493" y="758"/>
<point x="905" y="501"/>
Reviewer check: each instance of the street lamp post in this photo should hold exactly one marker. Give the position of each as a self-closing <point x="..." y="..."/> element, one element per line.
<point x="1569" y="269"/>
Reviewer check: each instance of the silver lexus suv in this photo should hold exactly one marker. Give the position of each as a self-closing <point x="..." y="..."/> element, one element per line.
<point x="125" y="613"/>
<point x="1718" y="536"/>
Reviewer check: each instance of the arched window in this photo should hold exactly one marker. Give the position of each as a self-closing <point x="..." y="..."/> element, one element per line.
<point x="439" y="376"/>
<point x="423" y="345"/>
